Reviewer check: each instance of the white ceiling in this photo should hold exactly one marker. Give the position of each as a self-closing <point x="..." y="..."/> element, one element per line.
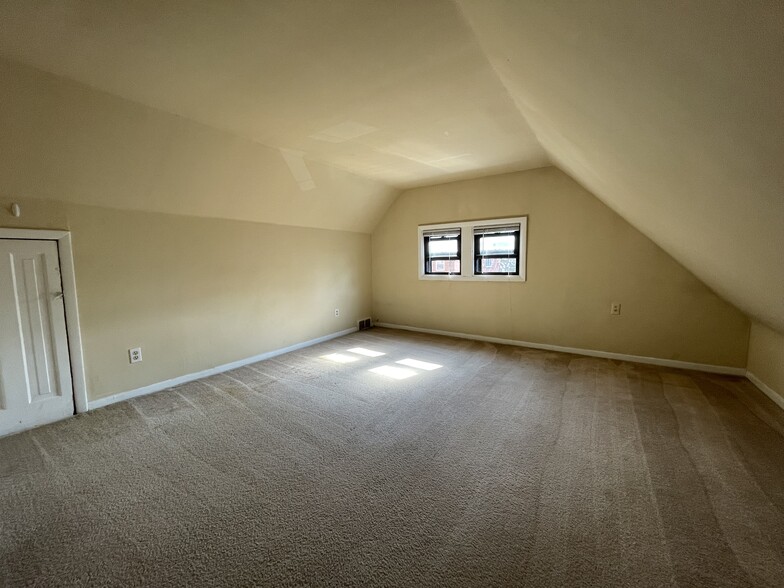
<point x="670" y="112"/>
<point x="398" y="91"/>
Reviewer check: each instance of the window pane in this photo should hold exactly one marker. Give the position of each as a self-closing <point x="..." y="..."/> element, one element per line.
<point x="499" y="266"/>
<point x="443" y="266"/>
<point x="439" y="247"/>
<point x="496" y="244"/>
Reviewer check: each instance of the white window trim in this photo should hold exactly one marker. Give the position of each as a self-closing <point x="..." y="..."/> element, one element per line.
<point x="467" y="250"/>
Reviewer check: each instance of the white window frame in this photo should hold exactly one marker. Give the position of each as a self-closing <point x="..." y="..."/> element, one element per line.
<point x="467" y="250"/>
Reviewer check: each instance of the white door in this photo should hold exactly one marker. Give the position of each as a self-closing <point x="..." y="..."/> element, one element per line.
<point x="35" y="370"/>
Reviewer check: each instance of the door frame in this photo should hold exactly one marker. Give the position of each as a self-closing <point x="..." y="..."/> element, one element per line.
<point x="68" y="277"/>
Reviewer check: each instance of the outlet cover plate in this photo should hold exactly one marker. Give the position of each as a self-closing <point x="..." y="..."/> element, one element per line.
<point x="135" y="355"/>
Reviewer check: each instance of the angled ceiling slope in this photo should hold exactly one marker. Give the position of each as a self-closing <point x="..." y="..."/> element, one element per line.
<point x="671" y="112"/>
<point x="396" y="91"/>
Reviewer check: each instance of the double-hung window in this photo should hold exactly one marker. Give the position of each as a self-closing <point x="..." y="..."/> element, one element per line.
<point x="497" y="250"/>
<point x="442" y="252"/>
<point x="482" y="250"/>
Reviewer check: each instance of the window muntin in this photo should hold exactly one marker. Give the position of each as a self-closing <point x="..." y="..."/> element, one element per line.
<point x="497" y="250"/>
<point x="442" y="251"/>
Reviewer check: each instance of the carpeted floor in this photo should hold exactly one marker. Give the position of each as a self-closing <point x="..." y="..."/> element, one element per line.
<point x="504" y="467"/>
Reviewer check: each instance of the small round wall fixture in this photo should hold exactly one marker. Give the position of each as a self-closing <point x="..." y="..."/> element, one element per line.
<point x="15" y="210"/>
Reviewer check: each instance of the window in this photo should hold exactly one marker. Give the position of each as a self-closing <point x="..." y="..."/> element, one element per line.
<point x="497" y="250"/>
<point x="483" y="250"/>
<point x="442" y="252"/>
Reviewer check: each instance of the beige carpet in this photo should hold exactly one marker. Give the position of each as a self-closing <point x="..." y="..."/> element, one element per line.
<point x="504" y="467"/>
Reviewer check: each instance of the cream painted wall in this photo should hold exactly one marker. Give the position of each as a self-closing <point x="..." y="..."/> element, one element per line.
<point x="766" y="358"/>
<point x="194" y="292"/>
<point x="581" y="257"/>
<point x="149" y="198"/>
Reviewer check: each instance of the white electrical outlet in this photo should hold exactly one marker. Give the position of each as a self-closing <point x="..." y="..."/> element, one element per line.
<point x="615" y="308"/>
<point x="135" y="354"/>
<point x="337" y="312"/>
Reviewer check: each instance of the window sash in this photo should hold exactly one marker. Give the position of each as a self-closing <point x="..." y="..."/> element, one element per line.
<point x="487" y="231"/>
<point x="442" y="236"/>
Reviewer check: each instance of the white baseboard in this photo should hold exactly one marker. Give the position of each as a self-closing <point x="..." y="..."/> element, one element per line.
<point x="767" y="390"/>
<point x="157" y="387"/>
<point x="686" y="365"/>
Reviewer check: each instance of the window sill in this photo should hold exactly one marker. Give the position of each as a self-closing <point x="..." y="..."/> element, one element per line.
<point x="472" y="278"/>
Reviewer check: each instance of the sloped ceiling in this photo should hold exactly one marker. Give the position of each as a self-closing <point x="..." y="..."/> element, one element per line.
<point x="398" y="91"/>
<point x="670" y="112"/>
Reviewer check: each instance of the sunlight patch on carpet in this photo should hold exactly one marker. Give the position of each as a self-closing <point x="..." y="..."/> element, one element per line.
<point x="391" y="371"/>
<point x="366" y="352"/>
<point x="422" y="365"/>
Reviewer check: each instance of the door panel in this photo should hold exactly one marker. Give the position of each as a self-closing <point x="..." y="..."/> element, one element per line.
<point x="35" y="372"/>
